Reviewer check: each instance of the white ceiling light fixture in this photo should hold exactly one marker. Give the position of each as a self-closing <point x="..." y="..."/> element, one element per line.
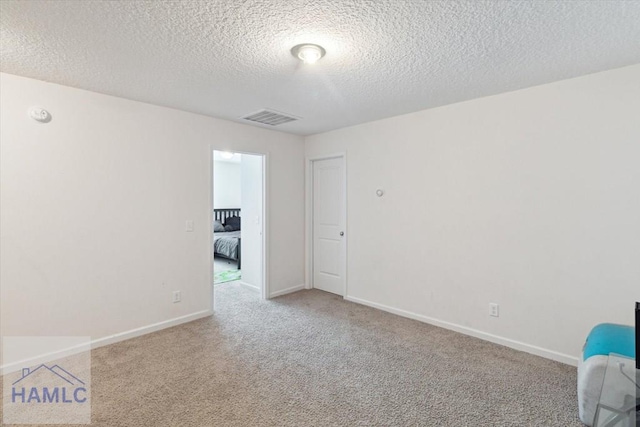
<point x="308" y="53"/>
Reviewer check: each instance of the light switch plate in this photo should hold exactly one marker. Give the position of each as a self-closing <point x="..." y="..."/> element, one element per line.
<point x="494" y="309"/>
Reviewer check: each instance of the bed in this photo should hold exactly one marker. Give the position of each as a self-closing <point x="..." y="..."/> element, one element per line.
<point x="228" y="244"/>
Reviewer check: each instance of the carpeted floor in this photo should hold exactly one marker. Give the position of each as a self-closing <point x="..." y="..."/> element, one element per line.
<point x="312" y="359"/>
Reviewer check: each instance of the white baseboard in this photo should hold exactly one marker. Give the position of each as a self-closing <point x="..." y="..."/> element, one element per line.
<point x="254" y="287"/>
<point x="100" y="342"/>
<point x="517" y="345"/>
<point x="122" y="336"/>
<point x="286" y="291"/>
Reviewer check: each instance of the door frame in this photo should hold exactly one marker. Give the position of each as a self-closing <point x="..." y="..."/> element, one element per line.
<point x="308" y="273"/>
<point x="264" y="288"/>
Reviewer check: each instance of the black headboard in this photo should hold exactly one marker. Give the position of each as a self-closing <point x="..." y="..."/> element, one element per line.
<point x="222" y="214"/>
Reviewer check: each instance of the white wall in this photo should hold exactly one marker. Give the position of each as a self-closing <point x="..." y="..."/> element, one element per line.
<point x="251" y="218"/>
<point x="94" y="203"/>
<point x="227" y="189"/>
<point x="530" y="199"/>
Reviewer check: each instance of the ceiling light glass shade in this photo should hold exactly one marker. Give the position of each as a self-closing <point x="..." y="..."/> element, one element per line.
<point x="226" y="155"/>
<point x="308" y="53"/>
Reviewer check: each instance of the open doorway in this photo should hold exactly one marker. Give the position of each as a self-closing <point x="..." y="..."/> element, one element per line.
<point x="238" y="220"/>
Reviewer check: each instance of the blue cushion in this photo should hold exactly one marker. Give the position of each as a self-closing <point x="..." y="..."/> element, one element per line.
<point x="610" y="338"/>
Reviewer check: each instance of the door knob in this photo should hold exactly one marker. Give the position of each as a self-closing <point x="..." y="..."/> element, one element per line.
<point x="342" y="233"/>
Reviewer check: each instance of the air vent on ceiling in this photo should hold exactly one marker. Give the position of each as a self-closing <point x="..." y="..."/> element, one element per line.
<point x="270" y="117"/>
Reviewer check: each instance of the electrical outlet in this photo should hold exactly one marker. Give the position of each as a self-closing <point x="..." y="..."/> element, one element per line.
<point x="188" y="225"/>
<point x="177" y="297"/>
<point x="494" y="309"/>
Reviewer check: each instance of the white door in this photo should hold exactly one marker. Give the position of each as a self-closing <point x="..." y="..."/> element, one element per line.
<point x="329" y="218"/>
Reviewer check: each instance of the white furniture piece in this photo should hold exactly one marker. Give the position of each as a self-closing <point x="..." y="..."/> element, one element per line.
<point x="619" y="403"/>
<point x="590" y="378"/>
<point x="604" y="339"/>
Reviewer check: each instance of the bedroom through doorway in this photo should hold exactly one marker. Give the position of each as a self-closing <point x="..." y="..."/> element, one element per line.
<point x="238" y="215"/>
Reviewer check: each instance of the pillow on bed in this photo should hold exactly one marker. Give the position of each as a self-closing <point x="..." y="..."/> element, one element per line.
<point x="232" y="223"/>
<point x="217" y="227"/>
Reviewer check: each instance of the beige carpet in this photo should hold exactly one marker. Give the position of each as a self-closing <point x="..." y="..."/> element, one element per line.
<point x="311" y="359"/>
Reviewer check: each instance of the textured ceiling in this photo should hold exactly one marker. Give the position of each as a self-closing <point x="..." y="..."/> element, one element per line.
<point x="229" y="58"/>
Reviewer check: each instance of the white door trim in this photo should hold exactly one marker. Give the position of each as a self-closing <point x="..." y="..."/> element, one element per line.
<point x="264" y="291"/>
<point x="308" y="233"/>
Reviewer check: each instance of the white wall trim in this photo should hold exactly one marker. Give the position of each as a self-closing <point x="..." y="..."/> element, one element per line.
<point x="265" y="225"/>
<point x="517" y="345"/>
<point x="254" y="287"/>
<point x="308" y="222"/>
<point x="308" y="215"/>
<point x="101" y="342"/>
<point x="288" y="291"/>
<point x="210" y="227"/>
